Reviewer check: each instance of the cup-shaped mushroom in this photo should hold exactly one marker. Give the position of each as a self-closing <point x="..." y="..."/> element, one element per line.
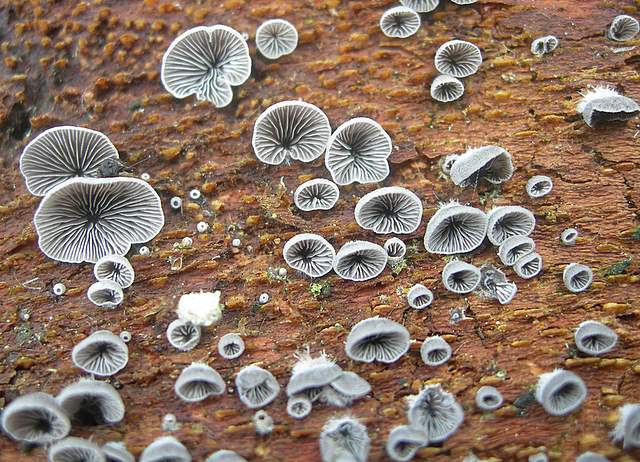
<point x="460" y="277"/>
<point x="290" y="130"/>
<point x="404" y="441"/>
<point x="102" y="353"/>
<point x="419" y="297"/>
<point x="114" y="268"/>
<point x="359" y="261"/>
<point x="489" y="163"/>
<point x="85" y="219"/>
<point x="72" y="449"/>
<point x="539" y="186"/>
<point x="164" y="449"/>
<point x="602" y="104"/>
<point x="569" y="237"/>
<point x="35" y="418"/>
<point x="396" y="250"/>
<point x="377" y="339"/>
<point x="344" y="439"/>
<point x="508" y="221"/>
<point x="591" y="457"/>
<point x="230" y="346"/>
<point x="183" y="335"/>
<point x="515" y="247"/>
<point x="299" y="406"/>
<point x="225" y="455"/>
<point x="435" y="351"/>
<point x="310" y="254"/>
<point x="623" y="28"/>
<point x="528" y="266"/>
<point x="577" y="277"/>
<point x="488" y="398"/>
<point x="494" y="284"/>
<point x="358" y="151"/>
<point x="446" y="88"/>
<point x="206" y="62"/>
<point x="436" y="412"/>
<point x="391" y="210"/>
<point x="400" y="22"/>
<point x="311" y="373"/>
<point x="458" y="58"/>
<point x="627" y="430"/>
<point x="350" y="386"/>
<point x="544" y="45"/>
<point x="317" y="194"/>
<point x="62" y="153"/>
<point x="197" y="382"/>
<point x="594" y="338"/>
<point x="105" y="294"/>
<point x="421" y="6"/>
<point x="455" y="229"/>
<point x="276" y="38"/>
<point x="91" y="402"/>
<point x="560" y="392"/>
<point x="256" y="386"/>
<point x="116" y="451"/>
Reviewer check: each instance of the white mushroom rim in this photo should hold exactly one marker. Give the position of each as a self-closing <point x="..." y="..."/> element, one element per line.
<point x="310" y="254"/>
<point x="455" y="229"/>
<point x="458" y="58"/>
<point x="276" y="38"/>
<point x="400" y="22"/>
<point x="206" y="62"/>
<point x="105" y="294"/>
<point x="360" y="261"/>
<point x="446" y="88"/>
<point x="421" y="6"/>
<point x="389" y="210"/>
<point x="114" y="268"/>
<point x="61" y="153"/>
<point x="316" y="194"/>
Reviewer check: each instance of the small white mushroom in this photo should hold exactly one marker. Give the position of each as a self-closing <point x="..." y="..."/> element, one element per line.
<point x="91" y="402"/>
<point x="460" y="277"/>
<point x="175" y="203"/>
<point x="627" y="430"/>
<point x="528" y="266"/>
<point x="403" y="443"/>
<point x="507" y="221"/>
<point x="436" y="412"/>
<point x="165" y="448"/>
<point x="73" y="449"/>
<point x="35" y="418"/>
<point x="455" y="229"/>
<point x="230" y="346"/>
<point x="569" y="236"/>
<point x="539" y="186"/>
<point x="577" y="277"/>
<point x="310" y="374"/>
<point x="591" y="457"/>
<point x="256" y="386"/>
<point x="377" y="339"/>
<point x="396" y="250"/>
<point x="183" y="335"/>
<point x="114" y="268"/>
<point x="116" y="451"/>
<point x="419" y="297"/>
<point x="489" y="163"/>
<point x="400" y="22"/>
<point x="421" y="6"/>
<point x="317" y="194"/>
<point x="594" y="338"/>
<point x="603" y="104"/>
<point x="560" y="392"/>
<point x="105" y="294"/>
<point x="299" y="406"/>
<point x="623" y="28"/>
<point x="197" y="382"/>
<point x="276" y="38"/>
<point x="514" y="248"/>
<point x="544" y="45"/>
<point x="102" y="353"/>
<point x="59" y="289"/>
<point x="389" y="210"/>
<point x="310" y="254"/>
<point x="225" y="455"/>
<point x="494" y="284"/>
<point x="359" y="261"/>
<point x="488" y="398"/>
<point x="262" y="423"/>
<point x="435" y="351"/>
<point x="458" y="58"/>
<point x="344" y="439"/>
<point x="446" y="88"/>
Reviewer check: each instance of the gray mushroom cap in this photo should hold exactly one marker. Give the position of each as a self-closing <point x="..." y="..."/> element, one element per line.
<point x="460" y="277"/>
<point x="311" y="372"/>
<point x="344" y="439"/>
<point x="623" y="28"/>
<point x="577" y="277"/>
<point x="544" y="45"/>
<point x="35" y="418"/>
<point x="359" y="261"/>
<point x="627" y="430"/>
<point x="165" y="448"/>
<point x="231" y="346"/>
<point x="73" y="449"/>
<point x="310" y="254"/>
<point x="446" y="88"/>
<point x="183" y="335"/>
<point x="455" y="229"/>
<point x="616" y="108"/>
<point x="351" y="385"/>
<point x="528" y="266"/>
<point x="594" y="338"/>
<point x="560" y="392"/>
<point x="299" y="406"/>
<point x="276" y="38"/>
<point x="421" y="6"/>
<point x="85" y="219"/>
<point x="377" y="339"/>
<point x="105" y="294"/>
<point x="256" y="386"/>
<point x="488" y="398"/>
<point x="61" y="153"/>
<point x="494" y="284"/>
<point x="116" y="451"/>
<point x="569" y="237"/>
<point x="389" y="210"/>
<point x="458" y="58"/>
<point x="404" y="441"/>
<point x="91" y="402"/>
<point x="436" y="412"/>
<point x="435" y="351"/>
<point x="114" y="268"/>
<point x="400" y="22"/>
<point x="316" y="194"/>
<point x="225" y="455"/>
<point x="508" y="221"/>
<point x="490" y="163"/>
<point x="539" y="186"/>
<point x="197" y="382"/>
<point x="396" y="250"/>
<point x="514" y="248"/>
<point x="102" y="353"/>
<point x="419" y="297"/>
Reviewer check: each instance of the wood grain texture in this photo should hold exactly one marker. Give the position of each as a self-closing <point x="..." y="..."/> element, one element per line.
<point x="96" y="64"/>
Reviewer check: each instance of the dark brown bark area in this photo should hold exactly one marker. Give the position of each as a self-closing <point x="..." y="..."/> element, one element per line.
<point x="96" y="64"/>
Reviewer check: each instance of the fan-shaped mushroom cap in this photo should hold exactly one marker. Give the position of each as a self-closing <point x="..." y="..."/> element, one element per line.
<point x="91" y="402"/>
<point x="396" y="250"/>
<point x="344" y="439"/>
<point x="72" y="449"/>
<point x="35" y="418"/>
<point x="603" y="104"/>
<point x="256" y="386"/>
<point x="299" y="406"/>
<point x="358" y="151"/>
<point x="460" y="277"/>
<point x="528" y="266"/>
<point x="206" y="62"/>
<point x="114" y="268"/>
<point x="446" y="88"/>
<point x="489" y="163"/>
<point x="569" y="236"/>
<point x="183" y="335"/>
<point x="591" y="457"/>
<point x="514" y="248"/>
<point x="389" y="210"/>
<point x="105" y="294"/>
<point x="290" y="130"/>
<point x="102" y="354"/>
<point x="225" y="455"/>
<point x="318" y="194"/>
<point x="436" y="412"/>
<point x="85" y="219"/>
<point x="494" y="284"/>
<point x="400" y="22"/>
<point x="488" y="398"/>
<point x="359" y="261"/>
<point x="377" y="339"/>
<point x="197" y="382"/>
<point x="421" y="6"/>
<point x="577" y="277"/>
<point x="594" y="338"/>
<point x="419" y="297"/>
<point x="311" y="372"/>
<point x="627" y="429"/>
<point x="117" y="452"/>
<point x="350" y="386"/>
<point x="310" y="254"/>
<point x="165" y="449"/>
<point x="435" y="351"/>
<point x="61" y="153"/>
<point x="508" y="221"/>
<point x="455" y="229"/>
<point x="458" y="58"/>
<point x="231" y="346"/>
<point x="623" y="28"/>
<point x="544" y="45"/>
<point x="200" y="308"/>
<point x="404" y="441"/>
<point x="276" y="38"/>
<point x="539" y="186"/>
<point x="560" y="392"/>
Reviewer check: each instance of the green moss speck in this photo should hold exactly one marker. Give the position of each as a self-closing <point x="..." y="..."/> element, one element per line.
<point x="618" y="268"/>
<point x="320" y="290"/>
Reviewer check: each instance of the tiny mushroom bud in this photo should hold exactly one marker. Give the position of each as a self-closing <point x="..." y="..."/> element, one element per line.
<point x="263" y="423"/>
<point x="230" y="346"/>
<point x="299" y="406"/>
<point x="59" y="289"/>
<point x="195" y="194"/>
<point x="144" y="251"/>
<point x="577" y="277"/>
<point x="488" y="398"/>
<point x="202" y="227"/>
<point x="263" y="298"/>
<point x="569" y="236"/>
<point x="125" y="335"/>
<point x="176" y="203"/>
<point x="435" y="351"/>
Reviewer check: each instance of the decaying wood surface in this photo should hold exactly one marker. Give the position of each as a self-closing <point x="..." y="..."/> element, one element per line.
<point x="96" y="64"/>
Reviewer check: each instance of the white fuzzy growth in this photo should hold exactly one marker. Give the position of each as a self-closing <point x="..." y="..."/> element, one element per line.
<point x="595" y="93"/>
<point x="621" y="432"/>
<point x="307" y="362"/>
<point x="200" y="308"/>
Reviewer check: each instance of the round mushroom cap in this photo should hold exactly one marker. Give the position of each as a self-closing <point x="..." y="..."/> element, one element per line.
<point x="231" y="346"/>
<point x="377" y="339"/>
<point x="183" y="335"/>
<point x="115" y="268"/>
<point x="594" y="338"/>
<point x="197" y="382"/>
<point x="102" y="353"/>
<point x="389" y="210"/>
<point x="117" y="452"/>
<point x="404" y="441"/>
<point x="91" y="402"/>
<point x="35" y="418"/>
<point x="455" y="229"/>
<point x="488" y="398"/>
<point x="310" y="254"/>
<point x="225" y="455"/>
<point x="344" y="438"/>
<point x="256" y="386"/>
<point x="317" y="194"/>
<point x="489" y="163"/>
<point x="73" y="449"/>
<point x="435" y="351"/>
<point x="508" y="221"/>
<point x="460" y="277"/>
<point x="360" y="261"/>
<point x="458" y="58"/>
<point x="400" y="22"/>
<point x="436" y="412"/>
<point x="276" y="38"/>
